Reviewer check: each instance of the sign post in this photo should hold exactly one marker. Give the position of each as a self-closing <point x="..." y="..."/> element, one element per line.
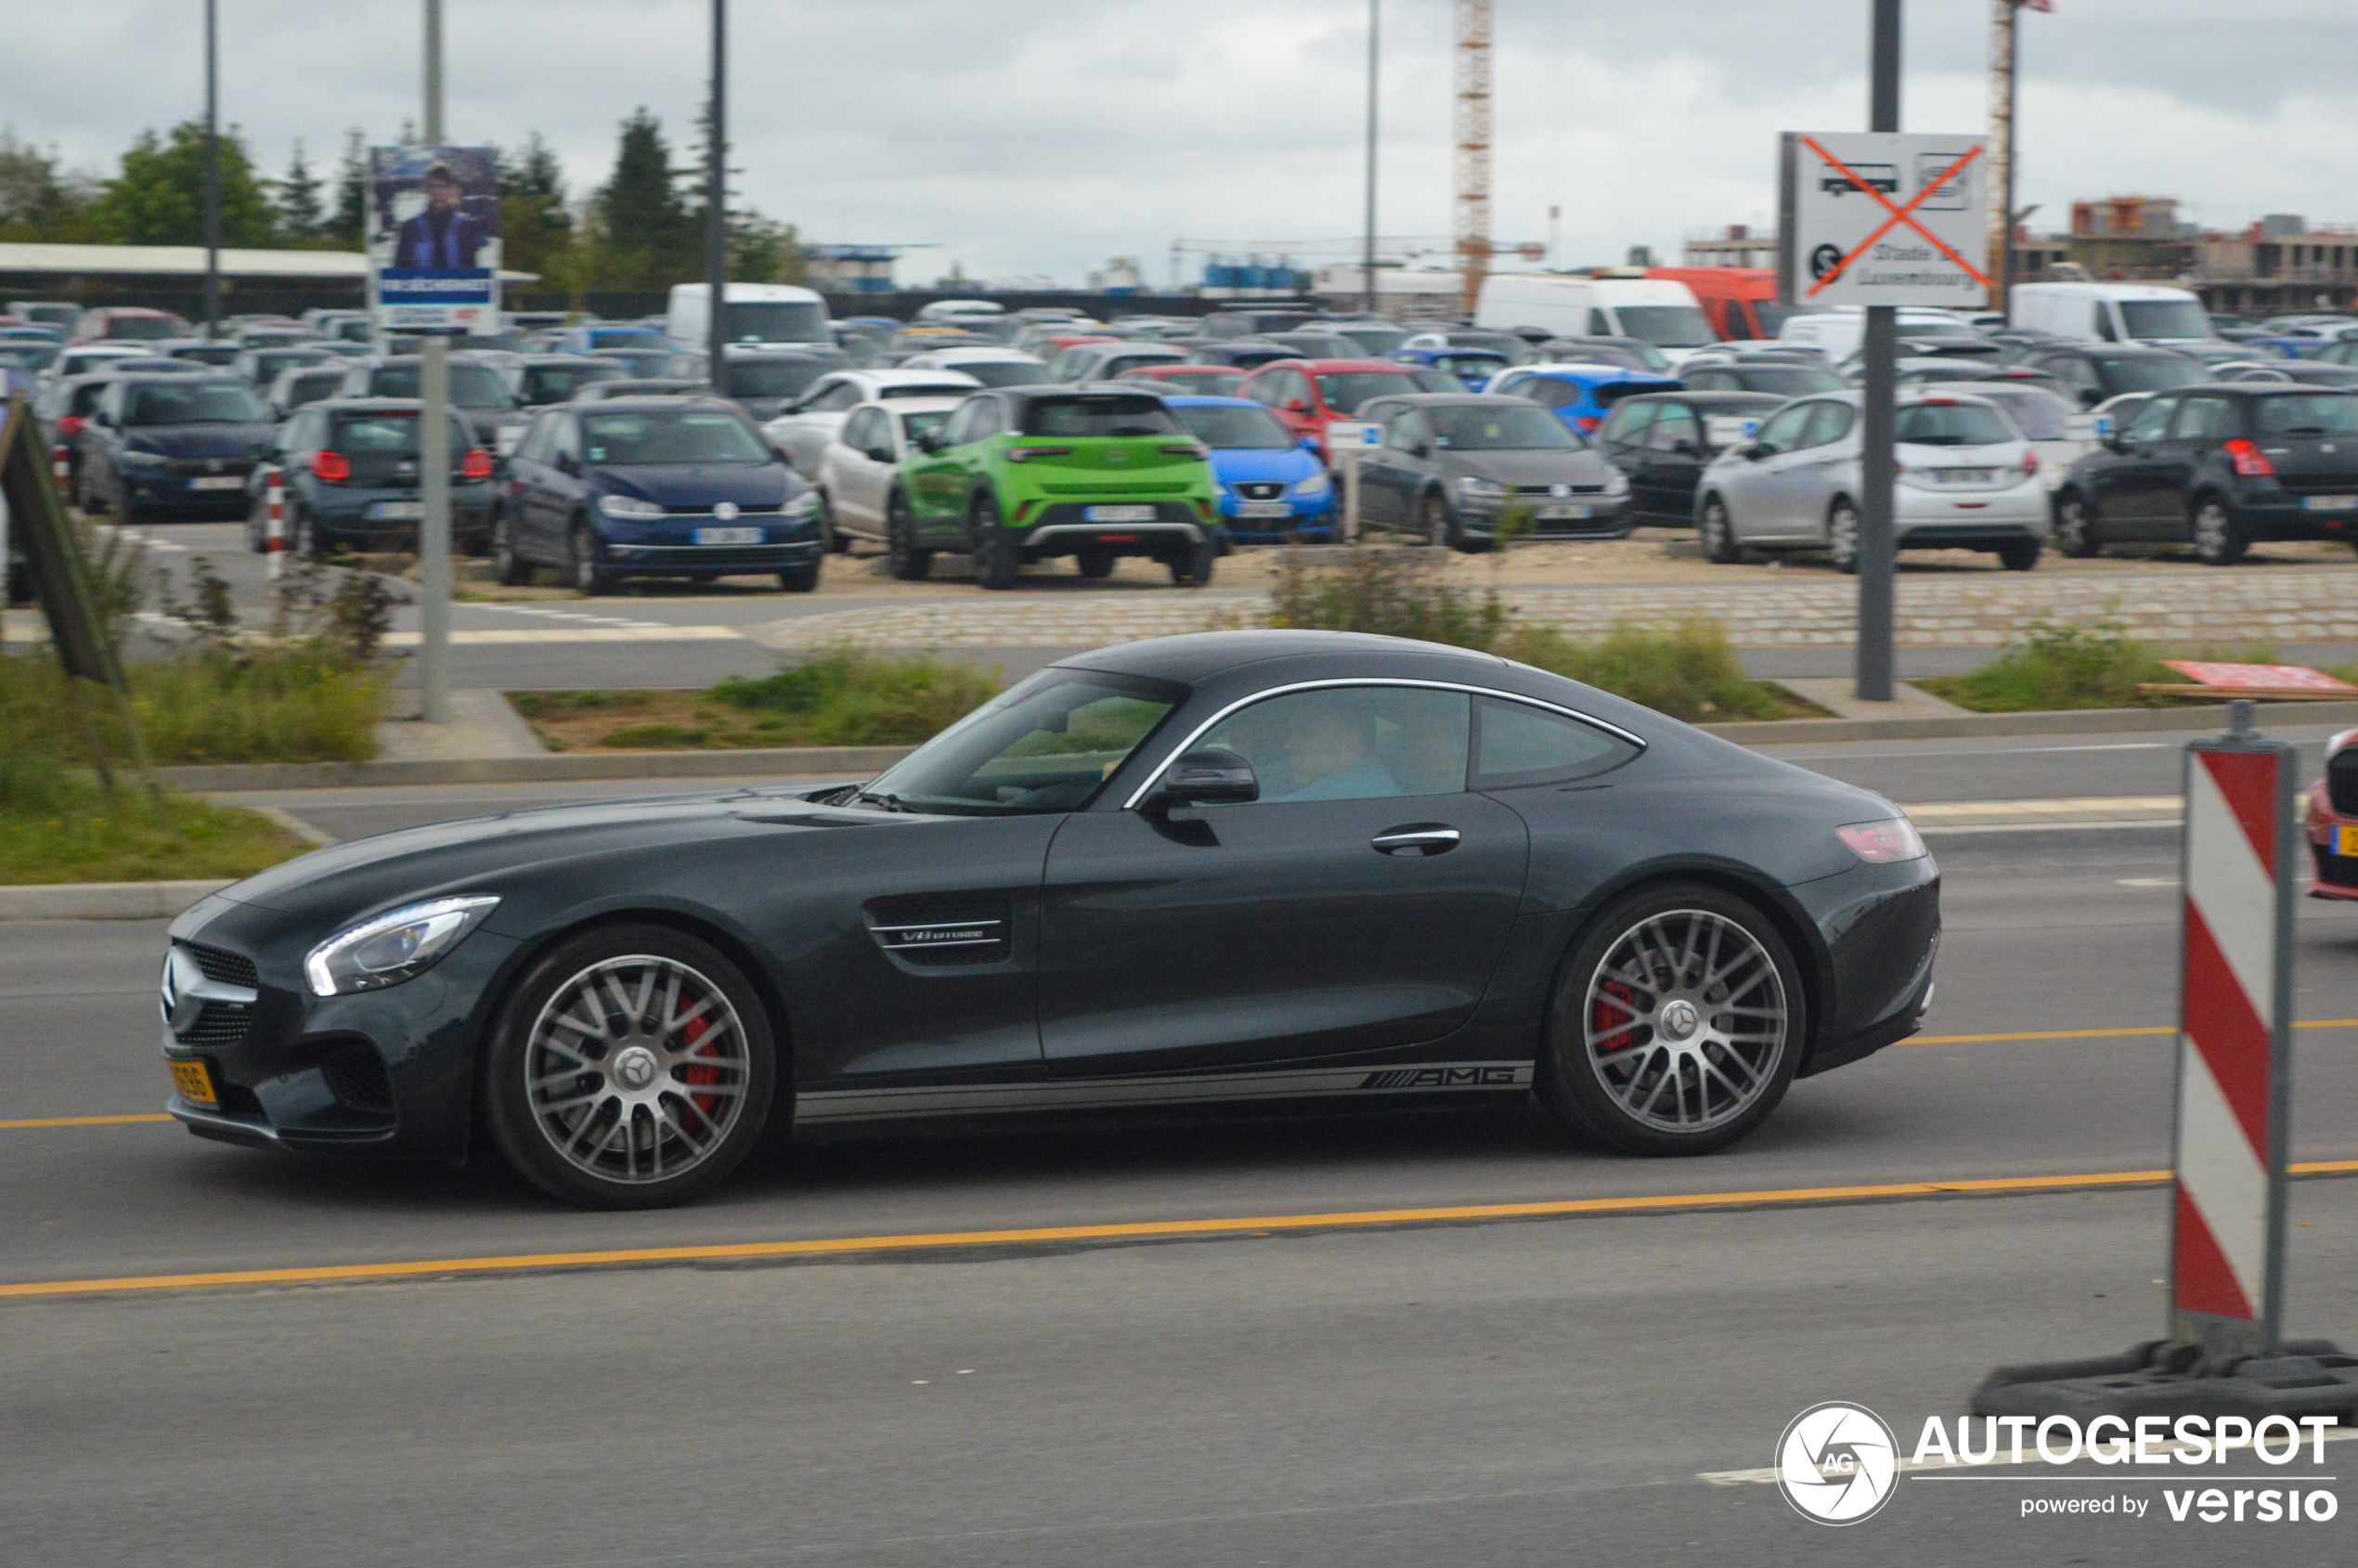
<point x="1346" y="439"/>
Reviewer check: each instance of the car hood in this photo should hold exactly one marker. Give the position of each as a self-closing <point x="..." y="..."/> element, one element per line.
<point x="755" y="487"/>
<point x="1242" y="463"/>
<point x="1528" y="467"/>
<point x="197" y="440"/>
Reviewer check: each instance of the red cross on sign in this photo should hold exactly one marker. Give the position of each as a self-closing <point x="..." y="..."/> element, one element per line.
<point x="1883" y="218"/>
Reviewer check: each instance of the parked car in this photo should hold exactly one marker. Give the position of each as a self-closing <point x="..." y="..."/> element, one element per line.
<point x="1018" y="474"/>
<point x="213" y="353"/>
<point x="1311" y="393"/>
<point x="1664" y="440"/>
<point x="990" y="367"/>
<point x="857" y="466"/>
<point x="1272" y="486"/>
<point x="1472" y="367"/>
<point x="653" y="386"/>
<point x="1967" y="480"/>
<point x="299" y="387"/>
<point x="1237" y="354"/>
<point x="261" y="367"/>
<point x="538" y="380"/>
<point x="2123" y="313"/>
<point x="2219" y="466"/>
<point x="60" y="313"/>
<point x="2330" y="821"/>
<point x="1254" y="323"/>
<point x="1629" y="353"/>
<point x="1741" y="302"/>
<point x="1510" y="346"/>
<point x="1838" y="333"/>
<point x="1452" y="463"/>
<point x="1201" y="380"/>
<point x="1103" y="361"/>
<point x="1375" y="338"/>
<point x="83" y="359"/>
<point x="2097" y="371"/>
<point x="803" y="430"/>
<point x="2053" y="424"/>
<point x="656" y="487"/>
<point x="1663" y="313"/>
<point x="127" y="323"/>
<point x="1785" y="380"/>
<point x="351" y="480"/>
<point x="764" y="381"/>
<point x="477" y="390"/>
<point x="171" y="446"/>
<point x="1317" y="342"/>
<point x="1581" y="396"/>
<point x="64" y="408"/>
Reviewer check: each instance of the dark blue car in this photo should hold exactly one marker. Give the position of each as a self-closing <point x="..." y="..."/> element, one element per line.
<point x="351" y="481"/>
<point x="173" y="446"/>
<point x="654" y="488"/>
<point x="1272" y="486"/>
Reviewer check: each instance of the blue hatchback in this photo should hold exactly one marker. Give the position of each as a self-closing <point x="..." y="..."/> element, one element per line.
<point x="1581" y="396"/>
<point x="1472" y="367"/>
<point x="1272" y="486"/>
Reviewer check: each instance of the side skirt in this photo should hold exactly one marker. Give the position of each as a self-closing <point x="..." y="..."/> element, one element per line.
<point x="836" y="1107"/>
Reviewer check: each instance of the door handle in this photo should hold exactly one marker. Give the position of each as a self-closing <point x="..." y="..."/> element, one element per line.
<point x="1416" y="838"/>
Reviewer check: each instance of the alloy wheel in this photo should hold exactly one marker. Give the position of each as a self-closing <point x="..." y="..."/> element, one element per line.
<point x="637" y="1069"/>
<point x="1719" y="534"/>
<point x="2074" y="537"/>
<point x="1685" y="1021"/>
<point x="1842" y="537"/>
<point x="2218" y="542"/>
<point x="1436" y="520"/>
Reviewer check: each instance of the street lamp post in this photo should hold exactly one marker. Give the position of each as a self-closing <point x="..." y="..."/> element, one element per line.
<point x="1367" y="255"/>
<point x="433" y="455"/>
<point x="716" y="205"/>
<point x="212" y="170"/>
<point x="1879" y="412"/>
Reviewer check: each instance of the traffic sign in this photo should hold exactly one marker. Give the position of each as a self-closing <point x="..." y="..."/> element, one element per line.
<point x="1869" y="217"/>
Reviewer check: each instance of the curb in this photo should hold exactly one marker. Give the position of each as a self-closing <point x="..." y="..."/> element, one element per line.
<point x="103" y="901"/>
<point x="2204" y="720"/>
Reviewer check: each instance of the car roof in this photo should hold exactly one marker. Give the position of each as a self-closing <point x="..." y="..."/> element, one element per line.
<point x="538" y="360"/>
<point x="1042" y="391"/>
<point x="372" y="405"/>
<point x="1323" y="366"/>
<point x="1195" y="657"/>
<point x="902" y="377"/>
<point x="1206" y="400"/>
<point x="1592" y="374"/>
<point x="971" y="355"/>
<point x="2260" y="389"/>
<point x="1704" y="399"/>
<point x="208" y="376"/>
<point x="908" y="405"/>
<point x="651" y="401"/>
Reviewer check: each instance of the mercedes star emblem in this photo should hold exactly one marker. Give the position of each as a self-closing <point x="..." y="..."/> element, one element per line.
<point x="725" y="512"/>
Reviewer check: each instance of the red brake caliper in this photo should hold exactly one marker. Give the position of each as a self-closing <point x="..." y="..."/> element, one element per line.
<point x="1614" y="1023"/>
<point x="697" y="1074"/>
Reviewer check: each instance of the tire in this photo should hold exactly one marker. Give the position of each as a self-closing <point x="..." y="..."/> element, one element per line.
<point x="998" y="559"/>
<point x="2019" y="555"/>
<point x="1096" y="563"/>
<point x="2220" y="539"/>
<point x="1434" y="525"/>
<point x="617" y="985"/>
<point x="800" y="579"/>
<point x="1193" y="565"/>
<point x="585" y="565"/>
<point x="2075" y="530"/>
<point x="836" y="543"/>
<point x="1716" y="531"/>
<point x="1842" y="537"/>
<point x="1666" y="957"/>
<point x="903" y="558"/>
<point x="514" y="569"/>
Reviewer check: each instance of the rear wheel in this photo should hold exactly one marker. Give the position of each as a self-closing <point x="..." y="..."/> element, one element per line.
<point x="2018" y="556"/>
<point x="1842" y="537"/>
<point x="2075" y="530"/>
<point x="514" y="569"/>
<point x="903" y="557"/>
<point x="836" y="544"/>
<point x="632" y="1068"/>
<point x="1716" y="532"/>
<point x="998" y="559"/>
<point x="1677" y="1024"/>
<point x="1096" y="563"/>
<point x="1192" y="566"/>
<point x="1434" y="523"/>
<point x="2220" y="539"/>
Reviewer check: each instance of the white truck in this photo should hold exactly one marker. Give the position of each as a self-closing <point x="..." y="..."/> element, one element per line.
<point x="1657" y="311"/>
<point x="2111" y="312"/>
<point x="758" y="314"/>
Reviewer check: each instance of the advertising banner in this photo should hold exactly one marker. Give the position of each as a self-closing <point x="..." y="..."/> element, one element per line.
<point x="434" y="239"/>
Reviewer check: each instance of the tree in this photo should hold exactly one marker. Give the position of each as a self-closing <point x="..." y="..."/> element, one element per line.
<point x="348" y="230"/>
<point x="159" y="197"/>
<point x="646" y="231"/>
<point x="38" y="201"/>
<point x="536" y="228"/>
<point x="763" y="251"/>
<point x="296" y="193"/>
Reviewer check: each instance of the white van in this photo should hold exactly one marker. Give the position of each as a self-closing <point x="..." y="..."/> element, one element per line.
<point x="2111" y="312"/>
<point x="945" y="311"/>
<point x="759" y="312"/>
<point x="1837" y="333"/>
<point x="1661" y="313"/>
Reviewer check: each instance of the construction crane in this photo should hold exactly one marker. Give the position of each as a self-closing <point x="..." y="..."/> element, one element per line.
<point x="1470" y="197"/>
<point x="2005" y="36"/>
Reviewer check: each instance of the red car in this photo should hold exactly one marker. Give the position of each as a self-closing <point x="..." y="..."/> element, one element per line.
<point x="1310" y="394"/>
<point x="2333" y="821"/>
<point x="1192" y="381"/>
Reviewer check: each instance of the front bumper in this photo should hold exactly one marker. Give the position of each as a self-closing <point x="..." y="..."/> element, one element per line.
<point x="1608" y="516"/>
<point x="2336" y="873"/>
<point x="1301" y="518"/>
<point x="668" y="548"/>
<point x="1880" y="926"/>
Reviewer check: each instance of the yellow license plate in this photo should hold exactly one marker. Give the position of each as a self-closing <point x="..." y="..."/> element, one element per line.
<point x="2345" y="839"/>
<point x="195" y="1082"/>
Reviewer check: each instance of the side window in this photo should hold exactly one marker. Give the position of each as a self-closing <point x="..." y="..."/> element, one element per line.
<point x="1518" y="744"/>
<point x="987" y="420"/>
<point x="302" y="434"/>
<point x="1830" y="424"/>
<point x="1353" y="743"/>
<point x="1066" y="364"/>
<point x="845" y="397"/>
<point x="564" y="438"/>
<point x="1674" y="424"/>
<point x="961" y="420"/>
<point x="1600" y="324"/>
<point x="860" y="431"/>
<point x="1783" y="433"/>
<point x="2103" y="321"/>
<point x="1625" y="426"/>
<point x="2151" y="420"/>
<point x="2204" y="418"/>
<point x="1404" y="432"/>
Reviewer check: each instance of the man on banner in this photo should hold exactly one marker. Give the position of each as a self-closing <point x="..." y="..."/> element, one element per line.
<point x="442" y="237"/>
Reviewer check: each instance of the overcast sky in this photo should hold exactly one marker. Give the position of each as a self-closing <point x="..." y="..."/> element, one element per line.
<point x="1040" y="137"/>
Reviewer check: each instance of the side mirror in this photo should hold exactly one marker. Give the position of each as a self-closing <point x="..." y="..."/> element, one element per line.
<point x="931" y="440"/>
<point x="2090" y="396"/>
<point x="569" y="462"/>
<point x="1684" y="447"/>
<point x="878" y="454"/>
<point x="100" y="417"/>
<point x="1308" y="443"/>
<point x="1420" y="448"/>
<point x="1297" y="406"/>
<point x="1210" y="776"/>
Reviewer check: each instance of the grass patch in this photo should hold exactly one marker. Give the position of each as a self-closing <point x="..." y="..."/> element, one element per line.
<point x="840" y="696"/>
<point x="55" y="826"/>
<point x="2061" y="667"/>
<point x="295" y="703"/>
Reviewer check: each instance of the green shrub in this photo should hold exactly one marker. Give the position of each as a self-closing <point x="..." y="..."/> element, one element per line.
<point x="55" y="826"/>
<point x="1692" y="671"/>
<point x="2059" y="667"/>
<point x="293" y="703"/>
<point x="1389" y="592"/>
<point x="842" y="696"/>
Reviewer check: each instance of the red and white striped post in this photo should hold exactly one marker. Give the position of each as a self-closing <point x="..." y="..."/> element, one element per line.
<point x="274" y="518"/>
<point x="61" y="468"/>
<point x="2234" y="1056"/>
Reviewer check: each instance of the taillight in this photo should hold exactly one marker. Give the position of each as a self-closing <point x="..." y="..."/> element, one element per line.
<point x="475" y="465"/>
<point x="2250" y="460"/>
<point x="1894" y="838"/>
<point x="1587" y="424"/>
<point x="70" y="424"/>
<point x="334" y="467"/>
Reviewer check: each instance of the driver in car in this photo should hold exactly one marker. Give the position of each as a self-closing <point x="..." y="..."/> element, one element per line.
<point x="1329" y="753"/>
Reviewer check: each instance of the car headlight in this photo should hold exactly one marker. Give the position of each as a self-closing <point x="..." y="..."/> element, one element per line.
<point x="1316" y="484"/>
<point x="1616" y="481"/>
<point x="395" y="947"/>
<point x="803" y="508"/>
<point x="131" y="458"/>
<point x="630" y="507"/>
<point x="1473" y="486"/>
<point x="1880" y="842"/>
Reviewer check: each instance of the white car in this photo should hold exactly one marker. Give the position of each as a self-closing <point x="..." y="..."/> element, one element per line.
<point x="856" y="468"/>
<point x="808" y="423"/>
<point x="2056" y="428"/>
<point x="1967" y="481"/>
<point x="83" y="358"/>
<point x="992" y="366"/>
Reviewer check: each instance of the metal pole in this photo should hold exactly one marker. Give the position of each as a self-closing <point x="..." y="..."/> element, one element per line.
<point x="1367" y="255"/>
<point x="1877" y="589"/>
<point x="2003" y="295"/>
<point x="433" y="455"/>
<point x="716" y="202"/>
<point x="211" y="171"/>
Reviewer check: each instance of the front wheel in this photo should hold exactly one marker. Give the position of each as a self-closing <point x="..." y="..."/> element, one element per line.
<point x="1192" y="566"/>
<point x="1842" y="537"/>
<point x="998" y="559"/>
<point x="1716" y="532"/>
<point x="589" y="563"/>
<point x="514" y="569"/>
<point x="800" y="579"/>
<point x="903" y="557"/>
<point x="1678" y="1023"/>
<point x="2075" y="530"/>
<point x="2220" y="541"/>
<point x="634" y="1068"/>
<point x="2018" y="556"/>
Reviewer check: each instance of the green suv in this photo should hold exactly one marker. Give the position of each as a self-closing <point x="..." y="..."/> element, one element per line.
<point x="1021" y="473"/>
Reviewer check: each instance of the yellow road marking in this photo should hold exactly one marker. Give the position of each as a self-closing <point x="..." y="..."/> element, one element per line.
<point x="85" y="1121"/>
<point x="1148" y="1229"/>
<point x="2094" y="1033"/>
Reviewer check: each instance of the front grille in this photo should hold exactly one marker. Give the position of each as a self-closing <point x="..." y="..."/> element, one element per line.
<point x="747" y="514"/>
<point x="355" y="1076"/>
<point x="191" y="468"/>
<point x="230" y="968"/>
<point x="218" y="1023"/>
<point x="1550" y="489"/>
<point x="2341" y="781"/>
<point x="1262" y="490"/>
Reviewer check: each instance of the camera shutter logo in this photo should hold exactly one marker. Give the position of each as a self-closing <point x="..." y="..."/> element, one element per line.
<point x="1837" y="1463"/>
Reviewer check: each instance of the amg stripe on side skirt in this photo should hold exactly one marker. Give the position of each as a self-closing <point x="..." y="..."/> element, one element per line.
<point x="822" y="1106"/>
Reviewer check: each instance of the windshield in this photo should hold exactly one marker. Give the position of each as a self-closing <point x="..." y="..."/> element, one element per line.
<point x="1790" y="380"/>
<point x="1047" y="745"/>
<point x="2041" y="416"/>
<point x="1002" y="372"/>
<point x="2313" y="413"/>
<point x="311" y="388"/>
<point x="1345" y="390"/>
<point x="631" y="439"/>
<point x="773" y="377"/>
<point x="627" y="337"/>
<point x="1952" y="424"/>
<point x="142" y="329"/>
<point x="1106" y="414"/>
<point x="777" y="321"/>
<point x="195" y="403"/>
<point x="394" y="435"/>
<point x="1373" y="337"/>
<point x="1471" y="368"/>
<point x="2158" y="374"/>
<point x="209" y="353"/>
<point x="1225" y="428"/>
<point x="471" y="386"/>
<point x="2165" y="319"/>
<point x="557" y="383"/>
<point x="1666" y="326"/>
<point x="1518" y="429"/>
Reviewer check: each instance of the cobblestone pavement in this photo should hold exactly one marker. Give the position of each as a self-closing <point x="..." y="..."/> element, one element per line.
<point x="1984" y="610"/>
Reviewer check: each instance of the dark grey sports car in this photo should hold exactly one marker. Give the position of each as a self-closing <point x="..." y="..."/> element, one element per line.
<point x="1234" y="866"/>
